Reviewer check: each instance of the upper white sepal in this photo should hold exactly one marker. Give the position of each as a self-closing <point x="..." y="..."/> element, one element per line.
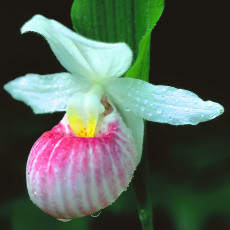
<point x="79" y="55"/>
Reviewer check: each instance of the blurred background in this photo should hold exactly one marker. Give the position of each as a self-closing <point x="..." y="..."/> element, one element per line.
<point x="189" y="165"/>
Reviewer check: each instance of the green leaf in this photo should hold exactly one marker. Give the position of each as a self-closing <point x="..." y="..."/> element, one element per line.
<point x="129" y="21"/>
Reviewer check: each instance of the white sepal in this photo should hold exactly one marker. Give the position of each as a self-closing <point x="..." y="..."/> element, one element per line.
<point x="79" y="55"/>
<point x="45" y="93"/>
<point x="162" y="104"/>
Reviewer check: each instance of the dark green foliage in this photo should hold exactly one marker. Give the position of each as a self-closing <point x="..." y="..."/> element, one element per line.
<point x="129" y="21"/>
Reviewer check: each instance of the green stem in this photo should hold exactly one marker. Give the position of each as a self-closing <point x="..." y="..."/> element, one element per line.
<point x="140" y="184"/>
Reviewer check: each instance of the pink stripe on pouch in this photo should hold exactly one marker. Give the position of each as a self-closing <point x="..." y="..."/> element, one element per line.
<point x="77" y="176"/>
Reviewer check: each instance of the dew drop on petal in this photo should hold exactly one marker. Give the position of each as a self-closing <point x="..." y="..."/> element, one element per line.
<point x="145" y="101"/>
<point x="159" y="111"/>
<point x="209" y="103"/>
<point x="64" y="220"/>
<point x="193" y="121"/>
<point x="186" y="109"/>
<point x="149" y="114"/>
<point x="96" y="214"/>
<point x="159" y="97"/>
<point x="195" y="101"/>
<point x="142" y="108"/>
<point x="127" y="109"/>
<point x="213" y="116"/>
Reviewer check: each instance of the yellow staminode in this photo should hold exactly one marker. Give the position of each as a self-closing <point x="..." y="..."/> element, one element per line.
<point x="83" y="112"/>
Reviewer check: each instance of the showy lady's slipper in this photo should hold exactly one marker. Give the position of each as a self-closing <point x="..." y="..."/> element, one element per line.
<point x="85" y="162"/>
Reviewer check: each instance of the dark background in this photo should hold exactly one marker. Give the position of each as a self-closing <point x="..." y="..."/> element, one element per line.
<point x="190" y="173"/>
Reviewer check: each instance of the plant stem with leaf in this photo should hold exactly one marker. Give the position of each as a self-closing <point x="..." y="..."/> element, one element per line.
<point x="140" y="184"/>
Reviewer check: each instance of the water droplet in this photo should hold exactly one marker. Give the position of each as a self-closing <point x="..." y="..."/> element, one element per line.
<point x="64" y="220"/>
<point x="164" y="89"/>
<point x="195" y="101"/>
<point x="150" y="114"/>
<point x="209" y="103"/>
<point x="170" y="106"/>
<point x="186" y="109"/>
<point x="96" y="214"/>
<point x="213" y="116"/>
<point x="159" y="97"/>
<point x="127" y="109"/>
<point x="193" y="120"/>
<point x="159" y="111"/>
<point x="142" y="108"/>
<point x="142" y="214"/>
<point x="145" y="101"/>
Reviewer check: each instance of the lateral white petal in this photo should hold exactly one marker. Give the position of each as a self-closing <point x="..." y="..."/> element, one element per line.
<point x="79" y="55"/>
<point x="162" y="104"/>
<point x="45" y="93"/>
<point x="134" y="123"/>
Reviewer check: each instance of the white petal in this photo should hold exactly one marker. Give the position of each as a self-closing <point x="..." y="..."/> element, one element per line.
<point x="162" y="104"/>
<point x="134" y="123"/>
<point x="47" y="93"/>
<point x="79" y="55"/>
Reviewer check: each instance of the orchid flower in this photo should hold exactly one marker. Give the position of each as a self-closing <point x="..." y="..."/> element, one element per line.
<point x="85" y="162"/>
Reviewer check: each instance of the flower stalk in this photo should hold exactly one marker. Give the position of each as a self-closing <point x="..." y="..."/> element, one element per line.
<point x="140" y="184"/>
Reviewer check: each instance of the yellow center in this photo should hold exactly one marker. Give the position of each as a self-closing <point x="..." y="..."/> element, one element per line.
<point x="83" y="112"/>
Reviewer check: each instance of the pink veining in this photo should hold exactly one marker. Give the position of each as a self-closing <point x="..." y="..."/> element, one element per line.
<point x="69" y="176"/>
